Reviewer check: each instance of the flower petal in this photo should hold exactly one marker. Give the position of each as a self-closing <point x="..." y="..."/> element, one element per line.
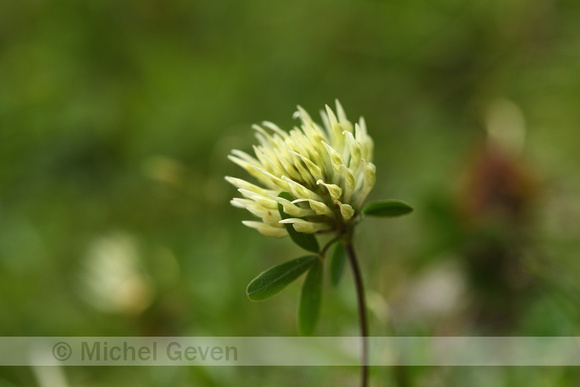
<point x="319" y="207"/>
<point x="301" y="225"/>
<point x="334" y="190"/>
<point x="266" y="229"/>
<point x="345" y="210"/>
<point x="239" y="183"/>
<point x="292" y="209"/>
<point x="299" y="191"/>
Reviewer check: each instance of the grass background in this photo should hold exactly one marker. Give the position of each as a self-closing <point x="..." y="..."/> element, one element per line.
<point x="116" y="118"/>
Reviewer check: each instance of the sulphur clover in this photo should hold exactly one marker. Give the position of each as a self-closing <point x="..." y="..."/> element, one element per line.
<point x="311" y="180"/>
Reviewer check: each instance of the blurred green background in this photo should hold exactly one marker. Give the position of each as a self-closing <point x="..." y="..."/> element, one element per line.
<point x="116" y="118"/>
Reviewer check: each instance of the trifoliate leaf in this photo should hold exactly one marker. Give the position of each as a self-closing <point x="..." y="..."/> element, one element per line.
<point x="310" y="299"/>
<point x="306" y="241"/>
<point x="387" y="208"/>
<point x="273" y="280"/>
<point x="337" y="261"/>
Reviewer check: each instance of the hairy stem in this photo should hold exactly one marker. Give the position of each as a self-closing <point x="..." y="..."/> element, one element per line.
<point x="362" y="312"/>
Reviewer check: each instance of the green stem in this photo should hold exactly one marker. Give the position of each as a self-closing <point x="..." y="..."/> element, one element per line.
<point x="362" y="314"/>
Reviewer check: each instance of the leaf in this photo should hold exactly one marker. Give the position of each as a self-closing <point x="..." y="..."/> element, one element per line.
<point x="387" y="208"/>
<point x="270" y="282"/>
<point x="337" y="261"/>
<point x="310" y="299"/>
<point x="306" y="241"/>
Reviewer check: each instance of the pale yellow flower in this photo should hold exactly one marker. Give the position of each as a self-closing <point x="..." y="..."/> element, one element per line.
<point x="327" y="169"/>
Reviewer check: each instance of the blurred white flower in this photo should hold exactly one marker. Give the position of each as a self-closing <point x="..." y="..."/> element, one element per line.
<point x="112" y="279"/>
<point x="327" y="170"/>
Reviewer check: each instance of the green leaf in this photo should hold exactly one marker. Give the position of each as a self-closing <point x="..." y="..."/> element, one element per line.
<point x="273" y="280"/>
<point x="387" y="208"/>
<point x="306" y="241"/>
<point x="310" y="299"/>
<point x="337" y="261"/>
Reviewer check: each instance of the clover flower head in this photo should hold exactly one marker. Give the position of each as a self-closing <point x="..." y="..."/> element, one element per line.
<point x="326" y="171"/>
